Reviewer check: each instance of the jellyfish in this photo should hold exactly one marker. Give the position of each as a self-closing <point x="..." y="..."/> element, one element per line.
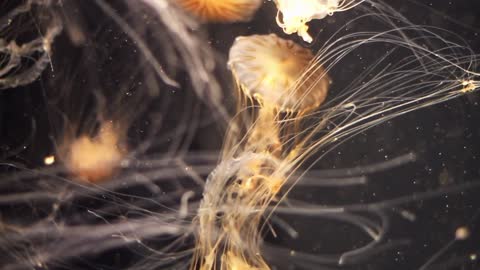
<point x="107" y="175"/>
<point x="293" y="16"/>
<point x="95" y="158"/>
<point x="269" y="69"/>
<point x="25" y="54"/>
<point x="266" y="69"/>
<point x="174" y="202"/>
<point x="295" y="127"/>
<point x="90" y="134"/>
<point x="221" y="11"/>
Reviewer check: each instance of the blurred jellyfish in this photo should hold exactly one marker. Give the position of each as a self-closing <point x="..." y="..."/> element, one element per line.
<point x="184" y="50"/>
<point x="96" y="158"/>
<point x="221" y="11"/>
<point x="112" y="177"/>
<point x="293" y="15"/>
<point x="27" y="32"/>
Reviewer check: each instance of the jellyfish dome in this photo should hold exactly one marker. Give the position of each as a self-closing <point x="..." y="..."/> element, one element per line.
<point x="295" y="14"/>
<point x="276" y="73"/>
<point x="221" y="11"/>
<point x="95" y="159"/>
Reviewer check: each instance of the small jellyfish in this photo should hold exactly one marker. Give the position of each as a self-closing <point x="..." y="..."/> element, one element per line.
<point x="297" y="13"/>
<point x="94" y="158"/>
<point x="462" y="233"/>
<point x="277" y="72"/>
<point x="221" y="11"/>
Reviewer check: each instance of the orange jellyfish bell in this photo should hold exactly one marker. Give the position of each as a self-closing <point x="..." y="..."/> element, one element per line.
<point x="96" y="158"/>
<point x="277" y="72"/>
<point x="221" y="10"/>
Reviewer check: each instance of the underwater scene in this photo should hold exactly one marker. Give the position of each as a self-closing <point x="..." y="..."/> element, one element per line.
<point x="240" y="134"/>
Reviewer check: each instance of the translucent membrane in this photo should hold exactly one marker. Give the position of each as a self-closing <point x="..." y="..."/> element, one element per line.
<point x="293" y="15"/>
<point x="273" y="71"/>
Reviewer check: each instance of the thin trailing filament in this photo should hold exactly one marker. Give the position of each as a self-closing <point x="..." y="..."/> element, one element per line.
<point x="286" y="80"/>
<point x="221" y="11"/>
<point x="268" y="68"/>
<point x="293" y="15"/>
<point x="236" y="196"/>
<point x="297" y="122"/>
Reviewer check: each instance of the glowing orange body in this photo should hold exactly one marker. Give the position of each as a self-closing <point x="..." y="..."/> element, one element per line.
<point x="95" y="159"/>
<point x="276" y="73"/>
<point x="221" y="10"/>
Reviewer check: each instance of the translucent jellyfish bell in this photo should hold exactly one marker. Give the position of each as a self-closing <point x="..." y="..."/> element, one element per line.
<point x="277" y="73"/>
<point x="96" y="158"/>
<point x="295" y="14"/>
<point x="221" y="10"/>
